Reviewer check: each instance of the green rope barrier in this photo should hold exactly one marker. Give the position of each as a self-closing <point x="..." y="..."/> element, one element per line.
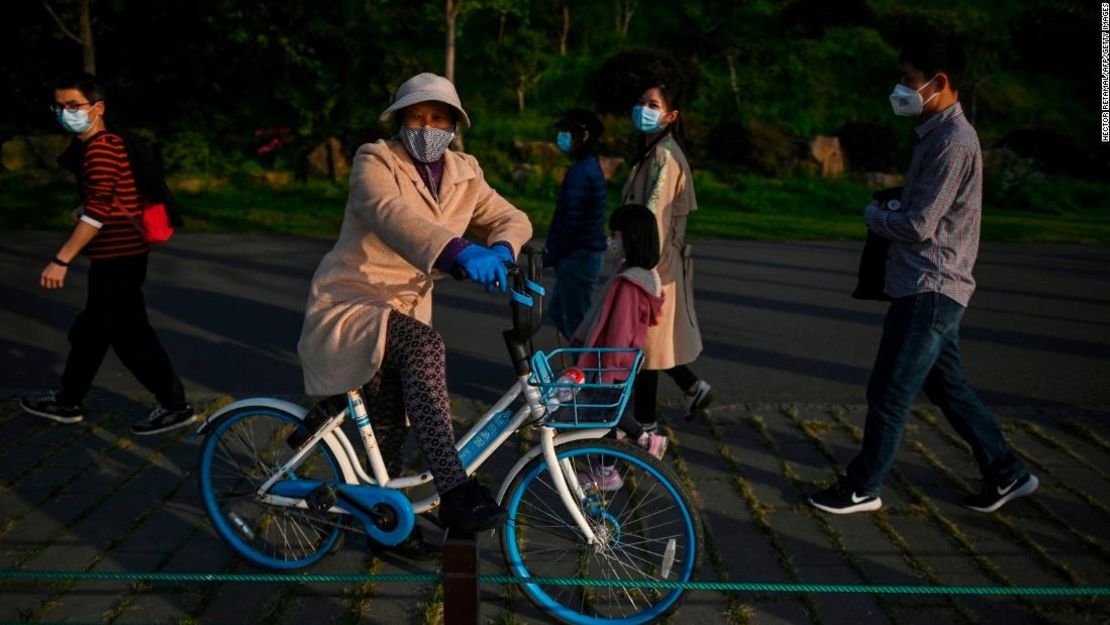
<point x="389" y="578"/>
<point x="306" y="578"/>
<point x="803" y="588"/>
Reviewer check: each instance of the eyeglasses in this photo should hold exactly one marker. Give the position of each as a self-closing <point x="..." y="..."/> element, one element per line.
<point x="69" y="106"/>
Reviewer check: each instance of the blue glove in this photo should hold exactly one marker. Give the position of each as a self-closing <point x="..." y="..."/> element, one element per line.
<point x="484" y="266"/>
<point x="504" y="252"/>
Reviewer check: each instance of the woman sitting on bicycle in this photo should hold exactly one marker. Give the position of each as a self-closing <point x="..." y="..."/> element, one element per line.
<point x="369" y="308"/>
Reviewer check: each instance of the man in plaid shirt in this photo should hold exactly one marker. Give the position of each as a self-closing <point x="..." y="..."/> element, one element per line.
<point x="934" y="237"/>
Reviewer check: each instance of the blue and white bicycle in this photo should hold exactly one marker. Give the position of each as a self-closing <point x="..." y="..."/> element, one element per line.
<point x="284" y="509"/>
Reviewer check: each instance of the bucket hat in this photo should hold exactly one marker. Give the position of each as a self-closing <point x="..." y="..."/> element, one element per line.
<point x="423" y="88"/>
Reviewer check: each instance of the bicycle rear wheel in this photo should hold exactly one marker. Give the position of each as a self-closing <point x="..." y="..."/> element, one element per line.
<point x="648" y="526"/>
<point x="241" y="451"/>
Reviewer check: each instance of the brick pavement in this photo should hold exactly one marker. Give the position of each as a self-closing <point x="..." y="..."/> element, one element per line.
<point x="90" y="497"/>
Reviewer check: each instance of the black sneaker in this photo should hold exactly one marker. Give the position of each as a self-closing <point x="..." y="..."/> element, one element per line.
<point x="994" y="496"/>
<point x="841" y="499"/>
<point x="698" y="400"/>
<point x="163" y="420"/>
<point x="317" y="416"/>
<point x="48" y="407"/>
<point x="469" y="508"/>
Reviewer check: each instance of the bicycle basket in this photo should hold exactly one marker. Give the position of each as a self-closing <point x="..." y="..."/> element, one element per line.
<point x="597" y="402"/>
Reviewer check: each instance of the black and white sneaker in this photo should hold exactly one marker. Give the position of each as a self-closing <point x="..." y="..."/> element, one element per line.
<point x="47" y="406"/>
<point x="994" y="496"/>
<point x="698" y="399"/>
<point x="163" y="420"/>
<point x="841" y="499"/>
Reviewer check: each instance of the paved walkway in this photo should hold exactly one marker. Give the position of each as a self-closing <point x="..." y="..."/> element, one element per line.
<point x="777" y="320"/>
<point x="788" y="351"/>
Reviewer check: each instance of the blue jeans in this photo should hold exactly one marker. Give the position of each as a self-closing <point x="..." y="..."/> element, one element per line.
<point x="575" y="276"/>
<point x="919" y="350"/>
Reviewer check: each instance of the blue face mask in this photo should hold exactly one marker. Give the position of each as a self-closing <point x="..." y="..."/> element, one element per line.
<point x="564" y="142"/>
<point x="76" y="122"/>
<point x="646" y="120"/>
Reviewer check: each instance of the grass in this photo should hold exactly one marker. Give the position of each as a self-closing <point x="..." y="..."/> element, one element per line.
<point x="743" y="207"/>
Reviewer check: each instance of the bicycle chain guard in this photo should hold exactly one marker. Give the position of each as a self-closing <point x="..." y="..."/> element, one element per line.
<point x="384" y="513"/>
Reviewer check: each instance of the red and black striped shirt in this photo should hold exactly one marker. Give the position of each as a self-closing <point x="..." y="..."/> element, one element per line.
<point x="111" y="200"/>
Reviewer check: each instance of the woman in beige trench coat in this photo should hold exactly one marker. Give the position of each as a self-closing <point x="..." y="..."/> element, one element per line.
<point x="661" y="180"/>
<point x="367" y="322"/>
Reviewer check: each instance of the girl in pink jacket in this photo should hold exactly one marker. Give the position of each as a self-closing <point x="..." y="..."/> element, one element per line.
<point x="633" y="301"/>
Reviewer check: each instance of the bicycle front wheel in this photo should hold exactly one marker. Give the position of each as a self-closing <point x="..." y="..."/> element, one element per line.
<point x="647" y="527"/>
<point x="241" y="451"/>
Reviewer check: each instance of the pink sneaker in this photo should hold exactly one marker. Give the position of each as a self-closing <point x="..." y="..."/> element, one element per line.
<point x="605" y="479"/>
<point x="654" y="444"/>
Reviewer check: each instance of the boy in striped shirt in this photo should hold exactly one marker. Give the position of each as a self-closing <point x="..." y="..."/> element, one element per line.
<point x="108" y="232"/>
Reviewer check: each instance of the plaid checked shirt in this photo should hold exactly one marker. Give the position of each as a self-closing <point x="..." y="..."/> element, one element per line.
<point x="935" y="235"/>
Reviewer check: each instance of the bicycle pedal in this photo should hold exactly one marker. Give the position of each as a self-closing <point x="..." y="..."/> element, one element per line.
<point x="321" y="498"/>
<point x="415" y="547"/>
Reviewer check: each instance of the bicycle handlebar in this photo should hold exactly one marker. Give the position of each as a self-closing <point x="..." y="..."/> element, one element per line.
<point x="458" y="273"/>
<point x="525" y="299"/>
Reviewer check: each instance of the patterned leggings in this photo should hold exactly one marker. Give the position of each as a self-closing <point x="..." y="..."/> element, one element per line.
<point x="413" y="378"/>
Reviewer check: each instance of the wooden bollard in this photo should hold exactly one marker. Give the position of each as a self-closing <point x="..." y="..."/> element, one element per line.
<point x="460" y="580"/>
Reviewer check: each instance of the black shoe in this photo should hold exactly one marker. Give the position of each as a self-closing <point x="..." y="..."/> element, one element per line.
<point x="163" y="420"/>
<point x="469" y="508"/>
<point x="320" y="413"/>
<point x="841" y="499"/>
<point x="994" y="496"/>
<point x="412" y="548"/>
<point x="48" y="407"/>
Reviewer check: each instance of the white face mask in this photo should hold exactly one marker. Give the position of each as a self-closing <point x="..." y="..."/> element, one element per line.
<point x="75" y="122"/>
<point x="614" y="249"/>
<point x="907" y="102"/>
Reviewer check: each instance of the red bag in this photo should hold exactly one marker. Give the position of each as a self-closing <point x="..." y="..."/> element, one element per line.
<point x="154" y="226"/>
<point x="156" y="223"/>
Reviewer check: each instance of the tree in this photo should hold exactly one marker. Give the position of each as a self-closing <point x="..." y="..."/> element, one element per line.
<point x="725" y="30"/>
<point x="565" y="31"/>
<point x="85" y="40"/>
<point x="623" y="10"/>
<point x="452" y="12"/>
<point x="518" y="51"/>
<point x="527" y="69"/>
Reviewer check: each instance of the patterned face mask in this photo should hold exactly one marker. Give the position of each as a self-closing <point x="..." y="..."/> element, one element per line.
<point x="425" y="144"/>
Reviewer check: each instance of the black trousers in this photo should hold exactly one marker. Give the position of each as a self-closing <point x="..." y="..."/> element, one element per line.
<point x="646" y="388"/>
<point x="115" y="316"/>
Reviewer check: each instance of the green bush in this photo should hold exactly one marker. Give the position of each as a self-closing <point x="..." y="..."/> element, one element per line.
<point x="188" y="152"/>
<point x="1011" y="182"/>
<point x="768" y="148"/>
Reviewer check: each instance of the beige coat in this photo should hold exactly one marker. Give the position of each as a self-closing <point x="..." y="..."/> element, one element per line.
<point x="662" y="181"/>
<point x="393" y="231"/>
